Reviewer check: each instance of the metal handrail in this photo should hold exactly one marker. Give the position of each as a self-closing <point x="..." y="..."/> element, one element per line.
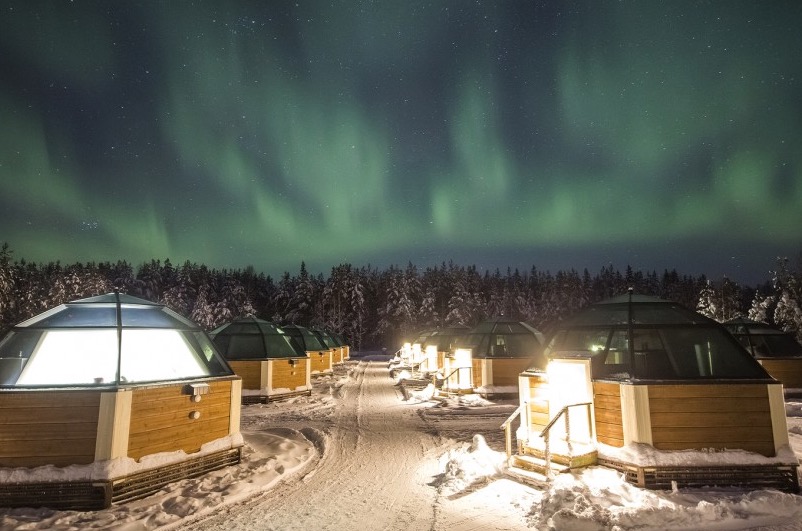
<point x="545" y="433"/>
<point x="507" y="433"/>
<point x="446" y="379"/>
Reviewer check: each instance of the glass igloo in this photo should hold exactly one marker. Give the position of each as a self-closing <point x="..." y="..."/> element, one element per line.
<point x="108" y="340"/>
<point x="632" y="379"/>
<point x="106" y="379"/>
<point x="249" y="338"/>
<point x="646" y="338"/>
<point x="488" y="358"/>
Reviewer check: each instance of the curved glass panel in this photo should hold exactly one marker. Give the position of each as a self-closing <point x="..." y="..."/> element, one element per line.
<point x="77" y="316"/>
<point x="81" y="344"/>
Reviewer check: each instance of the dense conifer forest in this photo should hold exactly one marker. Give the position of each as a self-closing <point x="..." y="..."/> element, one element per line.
<point x="375" y="308"/>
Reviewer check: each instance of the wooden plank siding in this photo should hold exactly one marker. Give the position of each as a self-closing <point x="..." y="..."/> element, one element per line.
<point x="250" y="372"/>
<point x="161" y="421"/>
<point x="787" y="370"/>
<point x="505" y="371"/>
<point x="538" y="404"/>
<point x="607" y="411"/>
<point x="441" y="359"/>
<point x="711" y="416"/>
<point x="289" y="376"/>
<point x="476" y="373"/>
<point x="320" y="360"/>
<point x="48" y="428"/>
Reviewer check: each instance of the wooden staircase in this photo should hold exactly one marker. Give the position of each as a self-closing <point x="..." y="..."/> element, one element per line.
<point x="540" y="458"/>
<point x="533" y="466"/>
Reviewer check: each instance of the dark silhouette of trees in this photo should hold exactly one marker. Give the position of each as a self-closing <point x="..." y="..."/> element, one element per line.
<point x="372" y="308"/>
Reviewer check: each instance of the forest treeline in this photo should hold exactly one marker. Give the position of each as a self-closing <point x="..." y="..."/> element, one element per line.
<point x="379" y="308"/>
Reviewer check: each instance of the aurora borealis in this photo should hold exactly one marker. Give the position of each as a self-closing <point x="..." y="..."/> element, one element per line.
<point x="659" y="135"/>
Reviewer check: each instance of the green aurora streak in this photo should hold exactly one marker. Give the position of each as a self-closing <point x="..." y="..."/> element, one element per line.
<point x="261" y="135"/>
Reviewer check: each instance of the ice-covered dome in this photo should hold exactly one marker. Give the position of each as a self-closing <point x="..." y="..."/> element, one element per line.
<point x="249" y="338"/>
<point x="640" y="337"/>
<point x="107" y="340"/>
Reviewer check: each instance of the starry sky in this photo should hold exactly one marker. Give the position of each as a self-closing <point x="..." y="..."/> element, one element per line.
<point x="559" y="134"/>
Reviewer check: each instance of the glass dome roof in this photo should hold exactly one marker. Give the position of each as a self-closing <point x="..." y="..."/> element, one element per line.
<point x="250" y="338"/>
<point x="445" y="338"/>
<point x="108" y="340"/>
<point x="646" y="338"/>
<point x="327" y="339"/>
<point x="503" y="338"/>
<point x="303" y="338"/>
<point x="763" y="340"/>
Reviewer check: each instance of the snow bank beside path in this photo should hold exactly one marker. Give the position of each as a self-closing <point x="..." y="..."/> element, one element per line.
<point x="267" y="458"/>
<point x="598" y="499"/>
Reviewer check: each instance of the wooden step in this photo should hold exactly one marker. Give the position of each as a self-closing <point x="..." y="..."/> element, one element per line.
<point x="537" y="464"/>
<point x="581" y="455"/>
<point x="527" y="477"/>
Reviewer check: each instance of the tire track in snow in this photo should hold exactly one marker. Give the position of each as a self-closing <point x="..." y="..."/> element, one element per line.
<point x="374" y="472"/>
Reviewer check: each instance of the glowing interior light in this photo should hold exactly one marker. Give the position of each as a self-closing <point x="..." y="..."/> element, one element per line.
<point x="86" y="357"/>
<point x="417" y="353"/>
<point x="596" y="348"/>
<point x="431" y="357"/>
<point x="462" y="361"/>
<point x="406" y="351"/>
<point x="65" y="357"/>
<point x="158" y="355"/>
<point x="569" y="383"/>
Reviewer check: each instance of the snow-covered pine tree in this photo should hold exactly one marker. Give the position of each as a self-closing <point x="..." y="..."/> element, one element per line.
<point x="706" y="305"/>
<point x="149" y="280"/>
<point x="761" y="306"/>
<point x="180" y="296"/>
<point x="302" y="297"/>
<point x="203" y="311"/>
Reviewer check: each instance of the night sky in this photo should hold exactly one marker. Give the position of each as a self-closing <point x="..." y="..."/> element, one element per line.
<point x="661" y="135"/>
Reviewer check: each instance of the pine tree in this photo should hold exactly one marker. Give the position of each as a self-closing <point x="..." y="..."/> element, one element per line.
<point x="180" y="296"/>
<point x="706" y="305"/>
<point x="6" y="287"/>
<point x="761" y="307"/>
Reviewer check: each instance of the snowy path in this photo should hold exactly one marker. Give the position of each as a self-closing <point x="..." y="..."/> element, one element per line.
<point x="377" y="472"/>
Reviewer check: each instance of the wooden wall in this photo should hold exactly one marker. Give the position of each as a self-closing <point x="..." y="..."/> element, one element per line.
<point x="250" y="372"/>
<point x="48" y="427"/>
<point x="607" y="410"/>
<point x="321" y="361"/>
<point x="161" y="421"/>
<point x="505" y="371"/>
<point x="537" y="393"/>
<point x="289" y="376"/>
<point x="476" y="373"/>
<point x="711" y="416"/>
<point x="788" y="371"/>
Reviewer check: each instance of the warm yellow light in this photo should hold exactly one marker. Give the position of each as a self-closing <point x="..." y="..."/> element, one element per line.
<point x="431" y="357"/>
<point x="462" y="358"/>
<point x="462" y="361"/>
<point x="417" y="353"/>
<point x="569" y="383"/>
<point x="406" y="352"/>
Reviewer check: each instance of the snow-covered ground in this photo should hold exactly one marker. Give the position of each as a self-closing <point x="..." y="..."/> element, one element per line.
<point x="359" y="455"/>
